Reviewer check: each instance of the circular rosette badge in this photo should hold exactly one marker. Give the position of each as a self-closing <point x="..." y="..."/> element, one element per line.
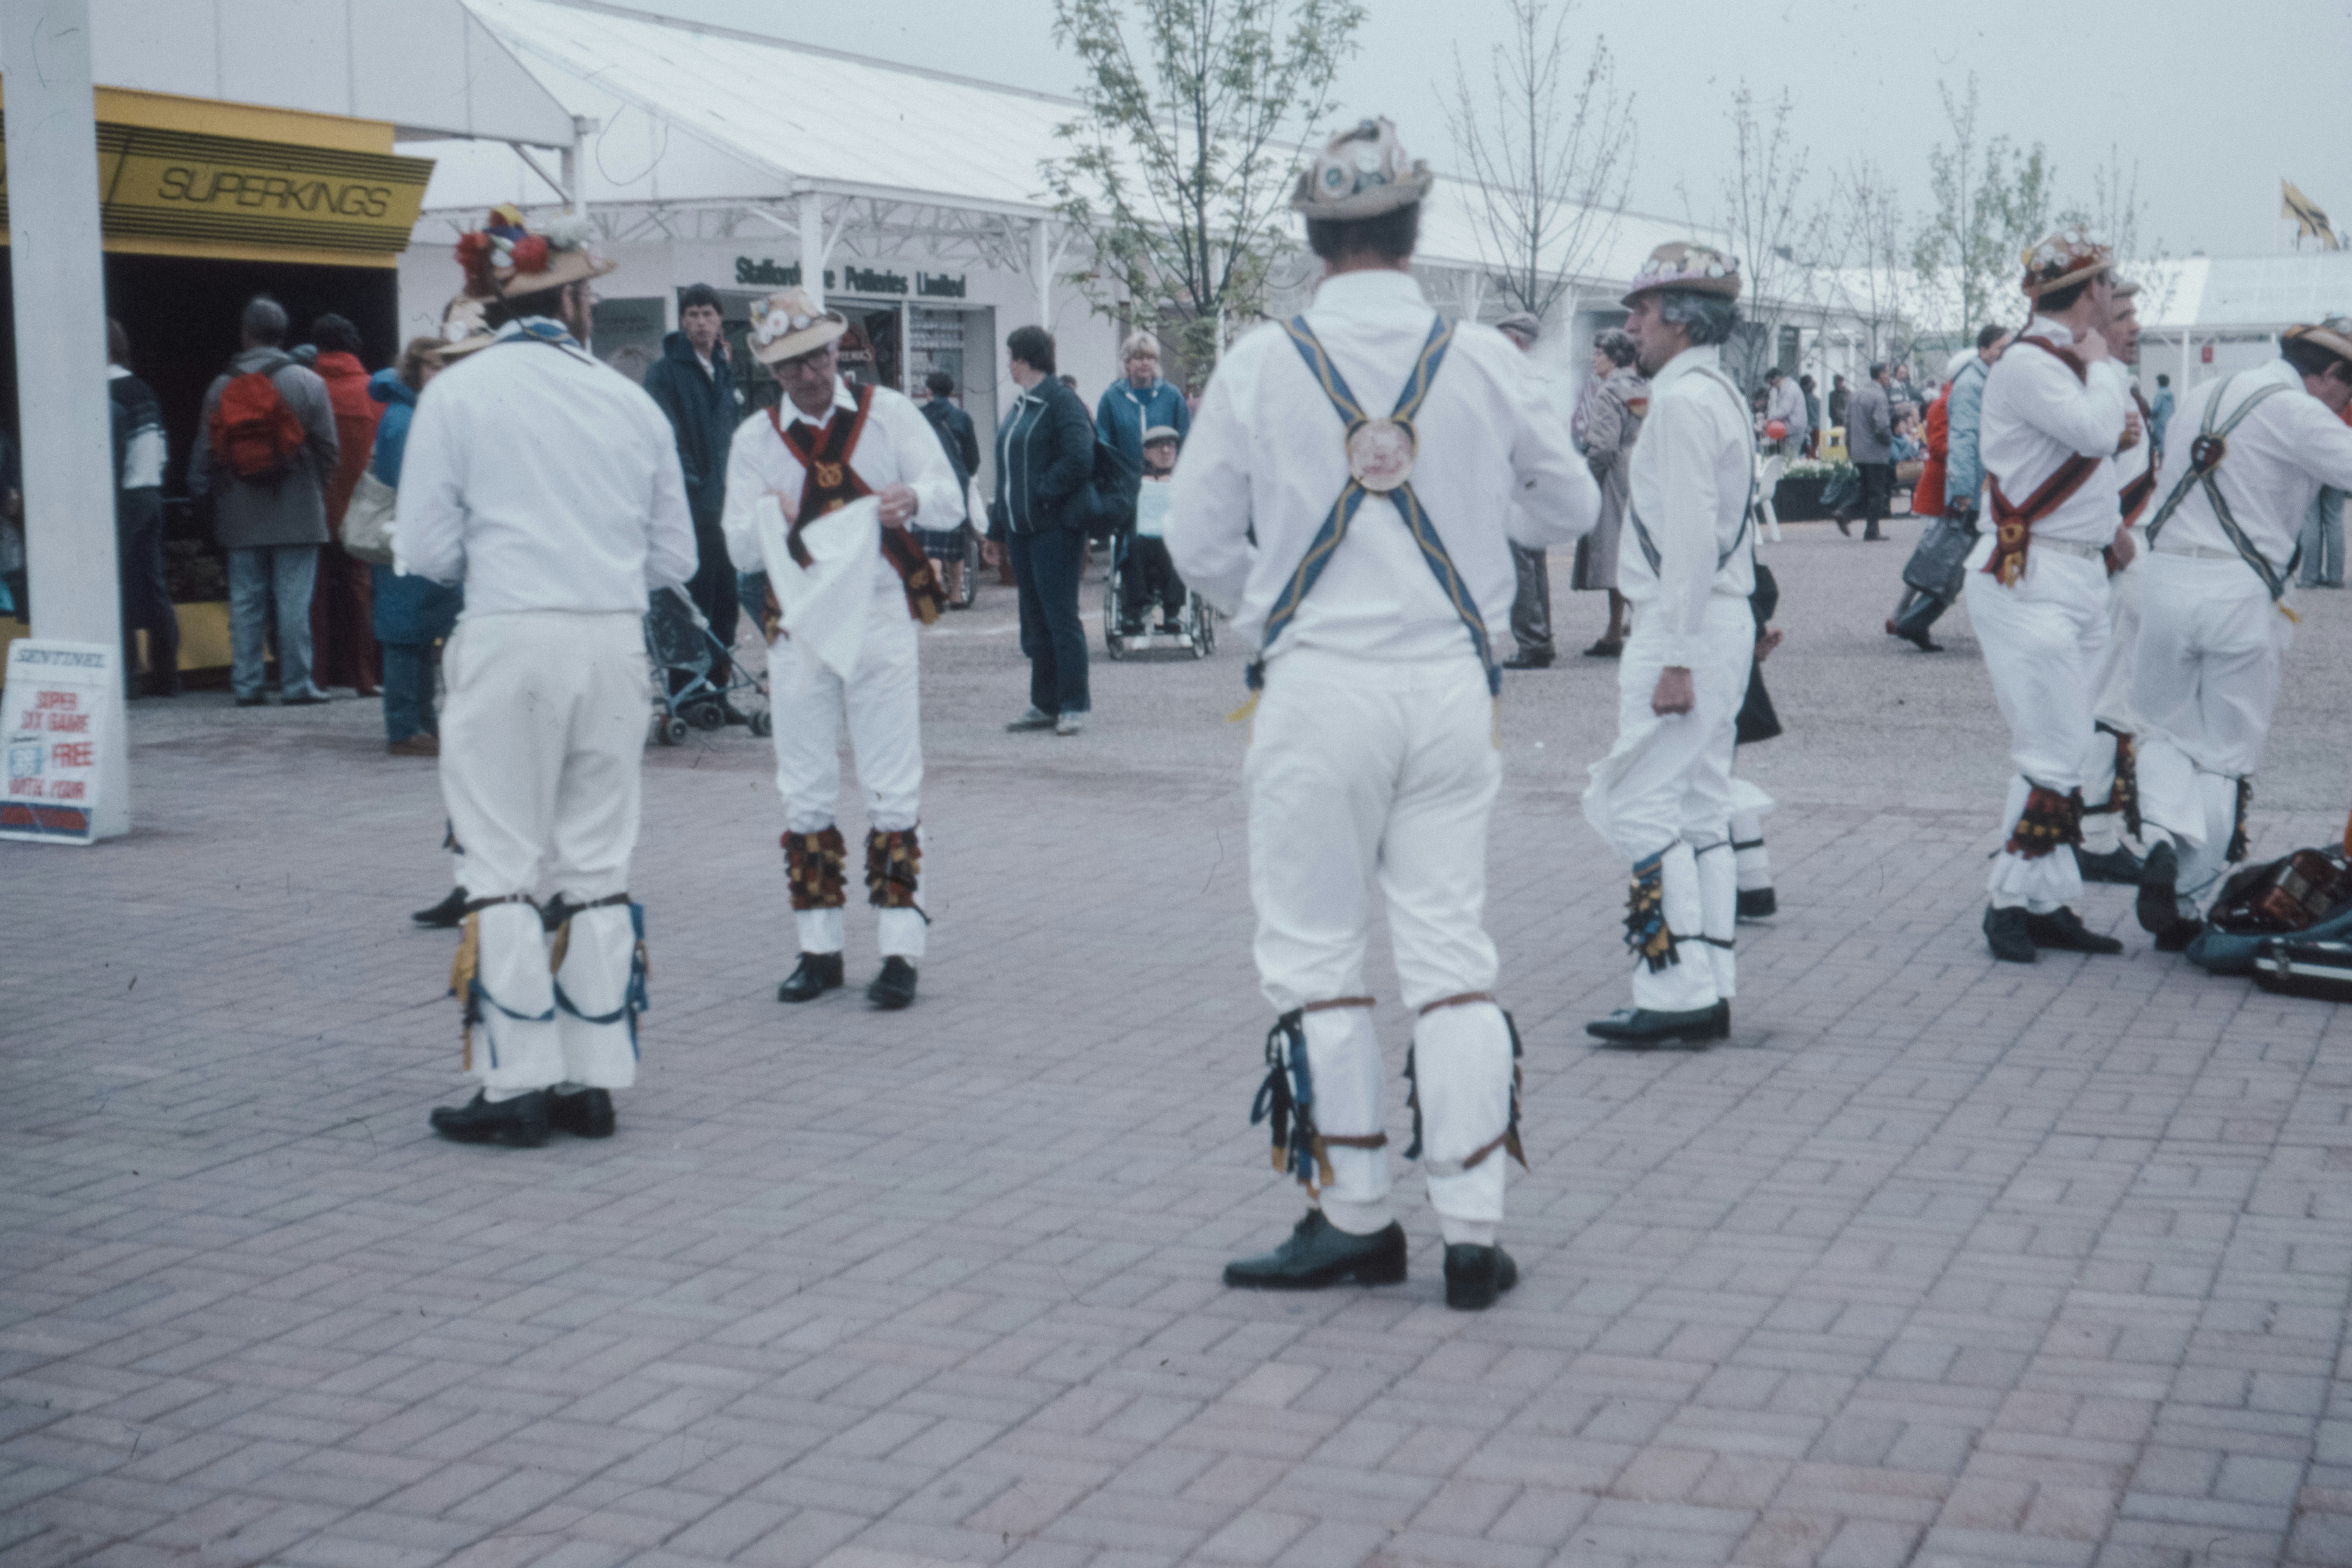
<point x="1380" y="454"/>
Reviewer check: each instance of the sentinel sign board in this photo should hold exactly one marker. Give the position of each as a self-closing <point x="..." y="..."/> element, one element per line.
<point x="61" y="744"/>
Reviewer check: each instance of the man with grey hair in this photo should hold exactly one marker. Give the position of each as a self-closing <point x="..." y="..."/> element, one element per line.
<point x="264" y="446"/>
<point x="1531" y="602"/>
<point x="1606" y="422"/>
<point x="1870" y="443"/>
<point x="1662" y="795"/>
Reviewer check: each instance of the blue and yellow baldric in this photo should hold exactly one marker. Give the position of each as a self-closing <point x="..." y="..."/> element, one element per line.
<point x="1417" y="523"/>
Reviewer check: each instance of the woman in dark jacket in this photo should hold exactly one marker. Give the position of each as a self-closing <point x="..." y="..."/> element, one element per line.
<point x="1044" y="459"/>
<point x="412" y="613"/>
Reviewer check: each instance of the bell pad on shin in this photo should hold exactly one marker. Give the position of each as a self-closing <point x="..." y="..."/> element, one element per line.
<point x="893" y="866"/>
<point x="1647" y="931"/>
<point x="814" y="866"/>
<point x="2049" y="820"/>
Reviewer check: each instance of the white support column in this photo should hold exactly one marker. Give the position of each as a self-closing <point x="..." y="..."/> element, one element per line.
<point x="2184" y="365"/>
<point x="581" y="129"/>
<point x="1041" y="267"/>
<point x="813" y="244"/>
<point x="60" y="313"/>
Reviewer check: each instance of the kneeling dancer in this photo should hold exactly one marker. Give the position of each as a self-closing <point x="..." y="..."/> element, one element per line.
<point x="1662" y="795"/>
<point x="548" y="484"/>
<point x="2037" y="583"/>
<point x="855" y="610"/>
<point x="1349" y="495"/>
<point x="2214" y="622"/>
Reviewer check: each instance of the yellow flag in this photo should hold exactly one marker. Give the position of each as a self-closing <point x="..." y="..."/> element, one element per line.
<point x="2308" y="218"/>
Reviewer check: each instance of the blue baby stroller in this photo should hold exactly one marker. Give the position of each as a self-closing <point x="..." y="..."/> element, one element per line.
<point x="683" y="651"/>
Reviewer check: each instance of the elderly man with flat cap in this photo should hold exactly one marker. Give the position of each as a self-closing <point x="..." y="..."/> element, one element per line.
<point x="1662" y="795"/>
<point x="822" y="492"/>
<point x="2247" y="455"/>
<point x="1353" y="484"/>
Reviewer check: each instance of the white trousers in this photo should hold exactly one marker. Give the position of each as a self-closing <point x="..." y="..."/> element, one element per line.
<point x="1750" y="807"/>
<point x="543" y="735"/>
<point x="1369" y="777"/>
<point x="882" y="702"/>
<point x="2043" y="640"/>
<point x="2211" y="644"/>
<point x="2103" y="830"/>
<point x="1666" y="789"/>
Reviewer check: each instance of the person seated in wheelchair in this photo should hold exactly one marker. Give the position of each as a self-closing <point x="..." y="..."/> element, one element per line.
<point x="1145" y="571"/>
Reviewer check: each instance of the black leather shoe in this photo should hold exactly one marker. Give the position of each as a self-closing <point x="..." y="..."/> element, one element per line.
<point x="2159" y="900"/>
<point x="1476" y="1276"/>
<point x="1921" y="641"/>
<point x="2118" y="866"/>
<point x="895" y="987"/>
<point x="1844" y="525"/>
<point x="311" y="698"/>
<point x="1607" y="647"/>
<point x="1647" y="1026"/>
<point x="816" y="974"/>
<point x="445" y="914"/>
<point x="1319" y="1255"/>
<point x="2063" y="928"/>
<point x="2006" y="933"/>
<point x="519" y="1122"/>
<point x="1522" y="659"/>
<point x="587" y="1114"/>
<point x="251" y="702"/>
<point x="1758" y="903"/>
<point x="2176" y="937"/>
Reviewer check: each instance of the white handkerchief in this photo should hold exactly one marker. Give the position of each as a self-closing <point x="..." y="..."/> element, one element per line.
<point x="824" y="604"/>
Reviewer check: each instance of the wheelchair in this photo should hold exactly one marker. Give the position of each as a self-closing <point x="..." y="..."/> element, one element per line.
<point x="1195" y="631"/>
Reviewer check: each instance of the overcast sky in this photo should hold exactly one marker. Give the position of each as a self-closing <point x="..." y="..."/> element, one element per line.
<point x="2216" y="101"/>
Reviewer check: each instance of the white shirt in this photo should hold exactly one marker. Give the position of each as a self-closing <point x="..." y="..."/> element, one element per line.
<point x="1690" y="477"/>
<point x="145" y="452"/>
<point x="2037" y="415"/>
<point x="543" y="480"/>
<point x="2276" y="460"/>
<point x="1268" y="451"/>
<point x="897" y="446"/>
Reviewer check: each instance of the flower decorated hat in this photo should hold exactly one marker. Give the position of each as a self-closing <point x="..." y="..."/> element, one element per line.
<point x="2064" y="258"/>
<point x="1361" y="174"/>
<point x="790" y="324"/>
<point x="504" y="258"/>
<point x="1689" y="266"/>
<point x="2334" y="334"/>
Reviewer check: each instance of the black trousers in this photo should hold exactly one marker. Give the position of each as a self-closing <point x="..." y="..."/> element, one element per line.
<point x="146" y="596"/>
<point x="712" y="589"/>
<point x="1047" y="566"/>
<point x="1877" y="494"/>
<point x="1147" y="573"/>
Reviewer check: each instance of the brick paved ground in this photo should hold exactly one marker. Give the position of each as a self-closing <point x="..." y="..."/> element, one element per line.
<point x="1935" y="1263"/>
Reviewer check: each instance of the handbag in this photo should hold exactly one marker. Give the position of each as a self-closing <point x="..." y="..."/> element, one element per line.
<point x="1940" y="562"/>
<point x="367" y="520"/>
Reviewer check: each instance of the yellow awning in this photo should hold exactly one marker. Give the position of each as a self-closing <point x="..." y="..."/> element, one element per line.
<point x="186" y="177"/>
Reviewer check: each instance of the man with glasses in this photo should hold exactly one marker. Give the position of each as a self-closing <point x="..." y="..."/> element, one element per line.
<point x="850" y="591"/>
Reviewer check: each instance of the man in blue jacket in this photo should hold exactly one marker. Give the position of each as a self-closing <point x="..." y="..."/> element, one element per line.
<point x="694" y="384"/>
<point x="1045" y="463"/>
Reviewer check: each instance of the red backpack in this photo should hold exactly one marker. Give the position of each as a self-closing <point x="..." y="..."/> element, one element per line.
<point x="255" y="434"/>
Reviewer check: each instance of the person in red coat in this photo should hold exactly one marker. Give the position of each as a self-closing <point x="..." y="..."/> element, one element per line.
<point x="1927" y="496"/>
<point x="342" y="631"/>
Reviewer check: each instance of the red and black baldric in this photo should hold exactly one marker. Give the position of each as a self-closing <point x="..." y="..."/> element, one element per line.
<point x="2014" y="521"/>
<point x="828" y="483"/>
<point x="2135" y="495"/>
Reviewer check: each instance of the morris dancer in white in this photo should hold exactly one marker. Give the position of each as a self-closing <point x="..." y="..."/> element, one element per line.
<point x="2214" y="622"/>
<point x="548" y="484"/>
<point x="850" y="590"/>
<point x="1662" y="797"/>
<point x="1379" y="453"/>
<point x="2037" y="583"/>
<point x="2110" y="792"/>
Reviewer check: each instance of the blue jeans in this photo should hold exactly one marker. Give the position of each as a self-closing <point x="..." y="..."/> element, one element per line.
<point x="408" y="690"/>
<point x="1047" y="566"/>
<point x="255" y="575"/>
<point x="2323" y="541"/>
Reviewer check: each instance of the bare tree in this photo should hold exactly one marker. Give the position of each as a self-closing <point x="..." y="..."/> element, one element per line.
<point x="1188" y="135"/>
<point x="1992" y="201"/>
<point x="1774" y="228"/>
<point x="1871" y="279"/>
<point x="1553" y="154"/>
<point x="2113" y="218"/>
